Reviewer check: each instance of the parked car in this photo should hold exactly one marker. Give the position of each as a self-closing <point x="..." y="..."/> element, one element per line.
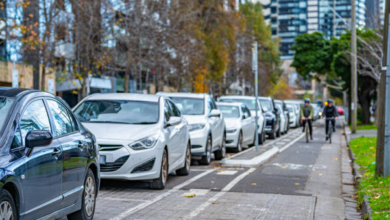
<point x="317" y="110"/>
<point x="283" y="120"/>
<point x="140" y="137"/>
<point x="293" y="117"/>
<point x="49" y="161"/>
<point x="340" y="110"/>
<point x="286" y="114"/>
<point x="206" y="125"/>
<point x="250" y="102"/>
<point x="240" y="125"/>
<point x="272" y="117"/>
<point x="297" y="104"/>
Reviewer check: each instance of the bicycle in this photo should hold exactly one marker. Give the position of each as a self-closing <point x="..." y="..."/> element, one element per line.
<point x="330" y="128"/>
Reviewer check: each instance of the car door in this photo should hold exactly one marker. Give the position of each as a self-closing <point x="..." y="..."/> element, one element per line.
<point x="41" y="181"/>
<point x="251" y="125"/>
<point x="173" y="139"/>
<point x="75" y="151"/>
<point x="216" y="123"/>
<point x="180" y="143"/>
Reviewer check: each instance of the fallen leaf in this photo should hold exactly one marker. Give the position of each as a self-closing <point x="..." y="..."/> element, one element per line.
<point x="220" y="171"/>
<point x="297" y="184"/>
<point x="212" y="181"/>
<point x="336" y="158"/>
<point x="253" y="184"/>
<point x="319" y="174"/>
<point x="190" y="195"/>
<point x="297" y="152"/>
<point x="284" y="167"/>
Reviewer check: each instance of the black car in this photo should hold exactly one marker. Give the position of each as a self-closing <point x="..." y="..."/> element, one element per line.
<point x="48" y="161"/>
<point x="272" y="126"/>
<point x="283" y="105"/>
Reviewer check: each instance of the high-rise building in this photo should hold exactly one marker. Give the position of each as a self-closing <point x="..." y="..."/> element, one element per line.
<point x="290" y="18"/>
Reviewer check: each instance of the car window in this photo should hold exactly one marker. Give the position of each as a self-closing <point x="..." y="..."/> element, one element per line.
<point x="229" y="111"/>
<point x="35" y="117"/>
<point x="63" y="121"/>
<point x="175" y="111"/>
<point x="248" y="111"/>
<point x="250" y="103"/>
<point x="167" y="111"/>
<point x="5" y="106"/>
<point x="189" y="106"/>
<point x="266" y="105"/>
<point x="214" y="106"/>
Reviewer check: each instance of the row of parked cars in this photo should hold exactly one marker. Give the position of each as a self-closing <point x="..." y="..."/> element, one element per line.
<point x="52" y="157"/>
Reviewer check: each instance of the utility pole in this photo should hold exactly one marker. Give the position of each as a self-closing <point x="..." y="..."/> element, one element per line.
<point x="255" y="71"/>
<point x="353" y="68"/>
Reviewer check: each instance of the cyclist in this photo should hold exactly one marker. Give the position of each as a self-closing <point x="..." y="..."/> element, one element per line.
<point x="307" y="112"/>
<point x="330" y="111"/>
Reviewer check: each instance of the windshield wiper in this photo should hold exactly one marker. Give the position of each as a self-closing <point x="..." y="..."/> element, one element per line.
<point x="110" y="122"/>
<point x="143" y="123"/>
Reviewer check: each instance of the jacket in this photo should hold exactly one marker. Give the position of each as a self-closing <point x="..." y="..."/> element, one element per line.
<point x="302" y="111"/>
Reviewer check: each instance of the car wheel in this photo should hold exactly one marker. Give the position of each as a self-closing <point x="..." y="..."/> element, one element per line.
<point x="162" y="180"/>
<point x="264" y="136"/>
<point x="278" y="132"/>
<point x="261" y="138"/>
<point x="206" y="160"/>
<point x="88" y="199"/>
<point x="186" y="169"/>
<point x="220" y="154"/>
<point x="239" y="143"/>
<point x="7" y="206"/>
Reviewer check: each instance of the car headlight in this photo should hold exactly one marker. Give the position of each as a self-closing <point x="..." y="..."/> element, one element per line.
<point x="194" y="127"/>
<point x="145" y="143"/>
<point x="320" y="113"/>
<point x="231" y="130"/>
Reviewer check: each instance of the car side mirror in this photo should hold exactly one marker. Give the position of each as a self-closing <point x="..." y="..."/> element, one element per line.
<point x="37" y="138"/>
<point x="173" y="121"/>
<point x="215" y="113"/>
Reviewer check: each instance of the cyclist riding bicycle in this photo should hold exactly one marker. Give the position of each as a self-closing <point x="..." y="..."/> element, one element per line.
<point x="307" y="113"/>
<point x="330" y="112"/>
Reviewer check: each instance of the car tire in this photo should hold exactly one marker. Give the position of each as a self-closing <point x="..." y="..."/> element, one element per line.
<point x="90" y="192"/>
<point x="264" y="137"/>
<point x="206" y="160"/>
<point x="239" y="143"/>
<point x="220" y="154"/>
<point x="161" y="181"/>
<point x="272" y="135"/>
<point x="186" y="169"/>
<point x="278" y="132"/>
<point x="261" y="138"/>
<point x="7" y="201"/>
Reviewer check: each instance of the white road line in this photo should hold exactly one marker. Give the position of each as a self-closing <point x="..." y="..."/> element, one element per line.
<point x="130" y="211"/>
<point x="219" y="195"/>
<point x="291" y="143"/>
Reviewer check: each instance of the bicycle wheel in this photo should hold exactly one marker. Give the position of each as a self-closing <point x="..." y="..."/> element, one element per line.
<point x="330" y="132"/>
<point x="307" y="133"/>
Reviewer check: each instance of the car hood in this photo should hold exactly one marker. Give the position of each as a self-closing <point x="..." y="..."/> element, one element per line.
<point x="121" y="131"/>
<point x="195" y="119"/>
<point x="232" y="123"/>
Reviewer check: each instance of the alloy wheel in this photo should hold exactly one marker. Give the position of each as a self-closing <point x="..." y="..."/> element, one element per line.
<point x="208" y="150"/>
<point x="224" y="146"/>
<point x="89" y="196"/>
<point x="239" y="144"/>
<point x="6" y="212"/>
<point x="188" y="158"/>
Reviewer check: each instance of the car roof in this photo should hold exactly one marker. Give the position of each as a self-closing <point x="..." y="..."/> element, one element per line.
<point x="238" y="104"/>
<point x="237" y="97"/>
<point x="183" y="94"/>
<point x="265" y="98"/>
<point x="124" y="96"/>
<point x="15" y="92"/>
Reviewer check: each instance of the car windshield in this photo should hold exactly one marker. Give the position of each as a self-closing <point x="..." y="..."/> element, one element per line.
<point x="189" y="106"/>
<point x="266" y="105"/>
<point x="5" y="106"/>
<point x="229" y="111"/>
<point x="250" y="103"/>
<point x="118" y="111"/>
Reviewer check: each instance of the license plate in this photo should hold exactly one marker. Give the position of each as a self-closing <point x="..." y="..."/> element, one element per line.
<point x="102" y="159"/>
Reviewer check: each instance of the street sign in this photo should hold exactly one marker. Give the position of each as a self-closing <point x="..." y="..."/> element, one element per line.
<point x="15" y="78"/>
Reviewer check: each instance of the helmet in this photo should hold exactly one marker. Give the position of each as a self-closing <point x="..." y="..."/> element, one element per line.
<point x="307" y="100"/>
<point x="330" y="101"/>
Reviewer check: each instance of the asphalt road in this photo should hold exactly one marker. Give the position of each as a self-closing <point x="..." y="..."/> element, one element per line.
<point x="302" y="182"/>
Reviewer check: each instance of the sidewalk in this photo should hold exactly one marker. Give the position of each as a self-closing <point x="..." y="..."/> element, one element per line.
<point x="360" y="133"/>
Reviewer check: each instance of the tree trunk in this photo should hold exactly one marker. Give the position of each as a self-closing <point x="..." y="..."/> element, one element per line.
<point x="380" y="144"/>
<point x="127" y="80"/>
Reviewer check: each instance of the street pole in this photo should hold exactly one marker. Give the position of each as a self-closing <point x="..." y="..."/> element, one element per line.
<point x="386" y="113"/>
<point x="353" y="68"/>
<point x="255" y="71"/>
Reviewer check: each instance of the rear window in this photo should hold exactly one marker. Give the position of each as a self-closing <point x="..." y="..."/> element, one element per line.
<point x="229" y="111"/>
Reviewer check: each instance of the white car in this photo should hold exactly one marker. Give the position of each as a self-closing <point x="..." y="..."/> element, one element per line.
<point x="293" y="116"/>
<point x="283" y="120"/>
<point x="140" y="137"/>
<point x="240" y="125"/>
<point x="206" y="124"/>
<point x="250" y="102"/>
<point x="297" y="108"/>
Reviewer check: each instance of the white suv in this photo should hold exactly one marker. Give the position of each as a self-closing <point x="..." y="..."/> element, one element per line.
<point x="250" y="102"/>
<point x="140" y="137"/>
<point x="206" y="124"/>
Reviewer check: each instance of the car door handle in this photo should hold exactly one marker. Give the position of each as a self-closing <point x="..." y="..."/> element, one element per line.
<point x="56" y="152"/>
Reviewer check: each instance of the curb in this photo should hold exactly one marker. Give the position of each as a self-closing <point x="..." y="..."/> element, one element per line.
<point x="259" y="160"/>
<point x="365" y="207"/>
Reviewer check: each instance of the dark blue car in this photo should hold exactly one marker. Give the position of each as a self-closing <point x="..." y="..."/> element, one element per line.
<point x="48" y="161"/>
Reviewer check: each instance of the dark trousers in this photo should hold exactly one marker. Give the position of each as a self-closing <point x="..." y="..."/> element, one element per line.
<point x="310" y="127"/>
<point x="327" y="125"/>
